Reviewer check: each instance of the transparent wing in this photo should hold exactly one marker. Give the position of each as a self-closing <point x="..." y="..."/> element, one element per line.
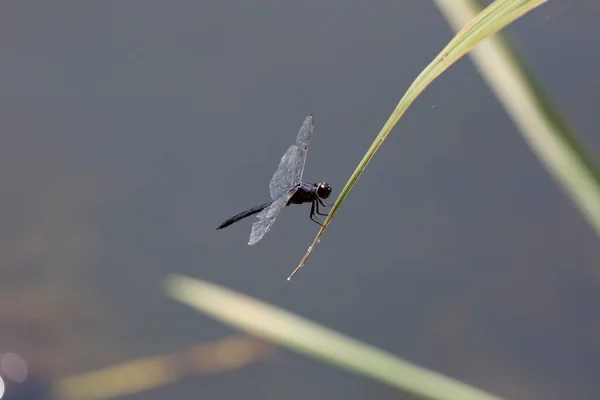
<point x="291" y="166"/>
<point x="267" y="217"/>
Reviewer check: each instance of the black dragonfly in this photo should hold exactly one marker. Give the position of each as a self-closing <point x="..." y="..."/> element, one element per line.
<point x="287" y="188"/>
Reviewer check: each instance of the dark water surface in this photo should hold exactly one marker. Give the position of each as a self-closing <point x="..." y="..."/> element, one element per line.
<point x="131" y="129"/>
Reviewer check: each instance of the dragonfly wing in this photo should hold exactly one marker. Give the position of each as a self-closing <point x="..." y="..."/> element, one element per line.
<point x="267" y="217"/>
<point x="284" y="177"/>
<point x="291" y="166"/>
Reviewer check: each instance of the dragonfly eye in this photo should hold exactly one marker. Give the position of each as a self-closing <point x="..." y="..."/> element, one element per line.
<point x="324" y="190"/>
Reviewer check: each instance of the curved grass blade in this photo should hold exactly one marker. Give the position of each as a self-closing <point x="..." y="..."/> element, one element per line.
<point x="548" y="135"/>
<point x="493" y="18"/>
<point x="301" y="335"/>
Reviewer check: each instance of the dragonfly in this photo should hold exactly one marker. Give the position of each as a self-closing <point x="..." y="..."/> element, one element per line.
<point x="286" y="188"/>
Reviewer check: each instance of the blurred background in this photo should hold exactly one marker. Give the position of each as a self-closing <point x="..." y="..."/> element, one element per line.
<point x="130" y="130"/>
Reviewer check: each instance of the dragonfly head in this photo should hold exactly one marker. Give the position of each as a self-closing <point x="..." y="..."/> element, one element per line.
<point x="323" y="190"/>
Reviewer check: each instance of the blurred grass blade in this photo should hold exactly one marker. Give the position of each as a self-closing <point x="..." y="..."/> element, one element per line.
<point x="306" y="337"/>
<point x="493" y="18"/>
<point x="544" y="130"/>
<point x="150" y="373"/>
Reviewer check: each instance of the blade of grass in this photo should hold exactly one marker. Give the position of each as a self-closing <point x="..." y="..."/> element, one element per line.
<point x="545" y="131"/>
<point x="493" y="18"/>
<point x="299" y="334"/>
<point x="150" y="373"/>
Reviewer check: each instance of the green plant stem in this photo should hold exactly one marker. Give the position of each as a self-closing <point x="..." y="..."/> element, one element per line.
<point x="543" y="128"/>
<point x="493" y="18"/>
<point x="299" y="334"/>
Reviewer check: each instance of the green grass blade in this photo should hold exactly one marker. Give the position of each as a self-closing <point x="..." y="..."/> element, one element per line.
<point x="545" y="131"/>
<point x="493" y="18"/>
<point x="299" y="334"/>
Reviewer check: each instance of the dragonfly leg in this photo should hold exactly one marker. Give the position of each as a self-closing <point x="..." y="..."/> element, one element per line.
<point x="323" y="204"/>
<point x="317" y="208"/>
<point x="313" y="216"/>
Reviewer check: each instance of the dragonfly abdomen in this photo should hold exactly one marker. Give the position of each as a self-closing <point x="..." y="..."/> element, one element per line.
<point x="244" y="214"/>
